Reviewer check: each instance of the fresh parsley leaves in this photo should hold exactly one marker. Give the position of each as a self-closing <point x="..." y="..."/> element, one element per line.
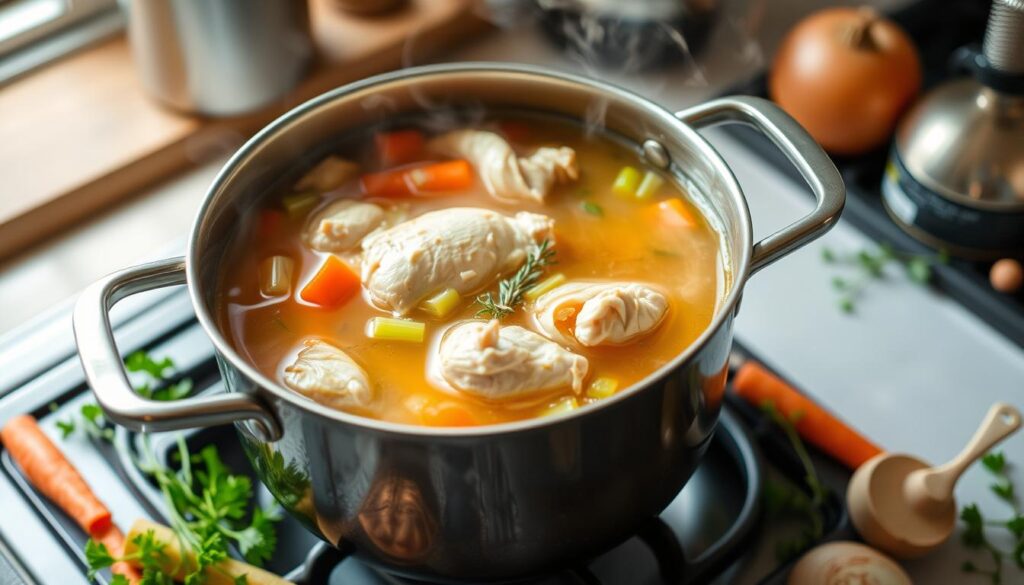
<point x="870" y="266"/>
<point x="974" y="536"/>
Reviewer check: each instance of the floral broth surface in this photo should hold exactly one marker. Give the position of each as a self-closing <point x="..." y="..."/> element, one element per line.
<point x="599" y="235"/>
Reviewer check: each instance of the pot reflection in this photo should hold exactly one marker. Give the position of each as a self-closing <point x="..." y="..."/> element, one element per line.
<point x="396" y="520"/>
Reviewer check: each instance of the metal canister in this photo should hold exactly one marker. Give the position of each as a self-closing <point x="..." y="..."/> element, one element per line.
<point x="219" y="58"/>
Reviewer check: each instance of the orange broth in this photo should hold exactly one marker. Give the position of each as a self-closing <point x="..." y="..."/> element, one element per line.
<point x="628" y="240"/>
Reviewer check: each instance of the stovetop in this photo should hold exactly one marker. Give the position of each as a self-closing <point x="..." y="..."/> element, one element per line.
<point x="710" y="527"/>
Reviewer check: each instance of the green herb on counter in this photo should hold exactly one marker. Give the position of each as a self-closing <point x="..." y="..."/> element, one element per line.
<point x="512" y="289"/>
<point x="806" y="503"/>
<point x="974" y="536"/>
<point x="870" y="266"/>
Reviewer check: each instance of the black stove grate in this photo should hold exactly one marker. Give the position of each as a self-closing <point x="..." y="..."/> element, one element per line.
<point x="938" y="27"/>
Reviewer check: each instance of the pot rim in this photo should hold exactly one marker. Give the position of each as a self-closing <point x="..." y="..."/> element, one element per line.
<point x="238" y="161"/>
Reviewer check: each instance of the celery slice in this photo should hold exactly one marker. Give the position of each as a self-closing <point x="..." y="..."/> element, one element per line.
<point x="298" y="204"/>
<point x="602" y="388"/>
<point x="561" y="407"/>
<point x="626" y="182"/>
<point x="442" y="303"/>
<point x="649" y="186"/>
<point x="552" y="282"/>
<point x="386" y="328"/>
<point x="276" y="276"/>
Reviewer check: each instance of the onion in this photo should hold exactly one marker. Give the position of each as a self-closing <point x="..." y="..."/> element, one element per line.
<point x="846" y="74"/>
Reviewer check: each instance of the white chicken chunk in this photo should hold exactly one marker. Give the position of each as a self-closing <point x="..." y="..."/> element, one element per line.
<point x="464" y="248"/>
<point x="342" y="225"/>
<point x="600" y="313"/>
<point x="506" y="176"/>
<point x="329" y="376"/>
<point x="495" y="362"/>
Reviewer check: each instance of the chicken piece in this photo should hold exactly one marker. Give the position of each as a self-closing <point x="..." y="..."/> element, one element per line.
<point x="463" y="248"/>
<point x="329" y="376"/>
<point x="600" y="313"/>
<point x="495" y="362"/>
<point x="342" y="225"/>
<point x="506" y="176"/>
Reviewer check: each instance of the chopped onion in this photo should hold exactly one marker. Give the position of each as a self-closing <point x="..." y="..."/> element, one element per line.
<point x="299" y="204"/>
<point x="649" y="186"/>
<point x="602" y="388"/>
<point x="561" y="407"/>
<point x="626" y="182"/>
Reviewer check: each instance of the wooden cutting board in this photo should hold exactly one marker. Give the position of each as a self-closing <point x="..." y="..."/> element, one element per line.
<point x="81" y="134"/>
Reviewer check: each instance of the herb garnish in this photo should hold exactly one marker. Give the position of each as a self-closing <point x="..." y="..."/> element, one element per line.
<point x="207" y="505"/>
<point x="805" y="503"/>
<point x="510" y="290"/>
<point x="974" y="536"/>
<point x="593" y="208"/>
<point x="871" y="265"/>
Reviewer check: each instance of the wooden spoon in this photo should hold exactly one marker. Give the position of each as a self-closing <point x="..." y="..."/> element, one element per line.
<point x="902" y="506"/>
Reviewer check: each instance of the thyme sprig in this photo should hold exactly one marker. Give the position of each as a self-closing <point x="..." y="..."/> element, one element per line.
<point x="512" y="289"/>
<point x="871" y="267"/>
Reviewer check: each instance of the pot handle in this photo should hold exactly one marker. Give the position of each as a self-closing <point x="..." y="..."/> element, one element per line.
<point x="814" y="165"/>
<point x="104" y="369"/>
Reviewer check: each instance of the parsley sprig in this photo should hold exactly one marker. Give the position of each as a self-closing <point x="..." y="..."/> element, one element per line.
<point x="512" y="289"/>
<point x="805" y="503"/>
<point x="871" y="265"/>
<point x="974" y="536"/>
<point x="207" y="505"/>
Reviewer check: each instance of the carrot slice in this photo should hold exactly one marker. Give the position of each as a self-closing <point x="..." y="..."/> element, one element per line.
<point x="113" y="539"/>
<point x="452" y="175"/>
<point x="673" y="212"/>
<point x="386" y="184"/>
<point x="399" y="147"/>
<point x="448" y="414"/>
<point x="332" y="285"/>
<point x="52" y="474"/>
<point x="817" y="426"/>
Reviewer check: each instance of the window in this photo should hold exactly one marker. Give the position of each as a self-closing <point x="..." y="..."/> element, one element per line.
<point x="33" y="32"/>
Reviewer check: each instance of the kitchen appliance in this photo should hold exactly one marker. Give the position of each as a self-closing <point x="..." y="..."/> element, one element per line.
<point x="481" y="503"/>
<point x="219" y="58"/>
<point x="955" y="179"/>
<point x="630" y="35"/>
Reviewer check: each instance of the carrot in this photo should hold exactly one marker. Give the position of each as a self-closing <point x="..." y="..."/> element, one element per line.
<point x="399" y="147"/>
<point x="332" y="285"/>
<point x="114" y="541"/>
<point x="387" y="184"/>
<point x="52" y="474"/>
<point x="448" y="414"/>
<point x="816" y="425"/>
<point x="673" y="212"/>
<point x="453" y="175"/>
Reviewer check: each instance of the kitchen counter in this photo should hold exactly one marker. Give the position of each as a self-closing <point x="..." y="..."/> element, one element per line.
<point x="911" y="369"/>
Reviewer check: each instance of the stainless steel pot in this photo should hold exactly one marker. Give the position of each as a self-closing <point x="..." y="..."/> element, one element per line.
<point x="485" y="503"/>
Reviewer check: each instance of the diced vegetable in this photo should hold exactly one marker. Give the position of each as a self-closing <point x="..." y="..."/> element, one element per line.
<point x="602" y="387"/>
<point x="561" y="407"/>
<point x="626" y="183"/>
<point x="673" y="212"/>
<point x="330" y="173"/>
<point x="650" y="186"/>
<point x="399" y="147"/>
<point x="442" y="303"/>
<point x="270" y="223"/>
<point x="386" y="184"/>
<point x="453" y="175"/>
<point x="386" y="328"/>
<point x="554" y="281"/>
<point x="593" y="208"/>
<point x="298" y="204"/>
<point x="332" y="285"/>
<point x="52" y="474"/>
<point x="448" y="414"/>
<point x="276" y="276"/>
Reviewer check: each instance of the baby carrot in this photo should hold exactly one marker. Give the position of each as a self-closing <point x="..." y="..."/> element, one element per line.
<point x="816" y="425"/>
<point x="453" y="175"/>
<point x="386" y="184"/>
<point x="113" y="539"/>
<point x="332" y="285"/>
<point x="53" y="475"/>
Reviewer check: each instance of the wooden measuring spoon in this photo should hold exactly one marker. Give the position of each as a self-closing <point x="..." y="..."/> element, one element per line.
<point x="902" y="506"/>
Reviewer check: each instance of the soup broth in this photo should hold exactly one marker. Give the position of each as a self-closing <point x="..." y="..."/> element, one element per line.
<point x="610" y="224"/>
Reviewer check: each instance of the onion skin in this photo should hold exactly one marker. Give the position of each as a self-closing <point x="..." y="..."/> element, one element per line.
<point x="846" y="75"/>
